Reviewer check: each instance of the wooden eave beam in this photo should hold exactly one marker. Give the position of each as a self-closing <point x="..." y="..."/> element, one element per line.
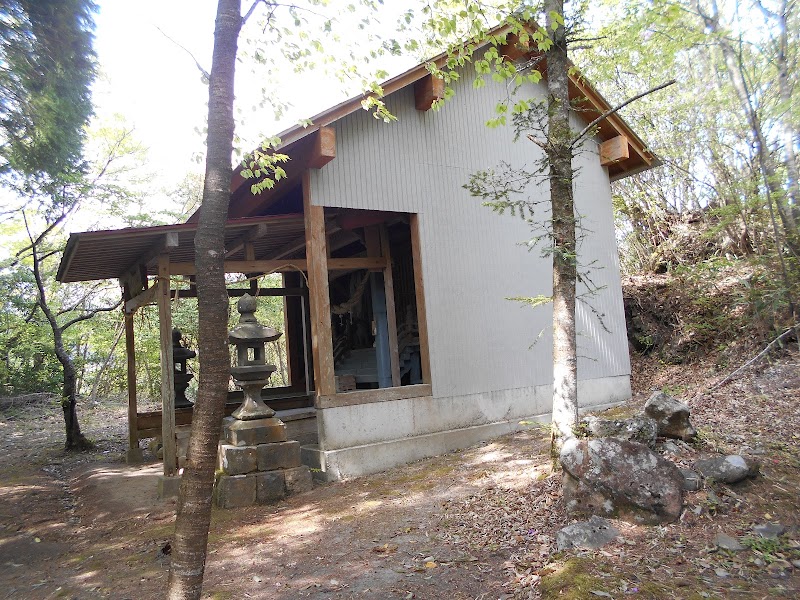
<point x="589" y="100"/>
<point x="166" y="243"/>
<point x="428" y="90"/>
<point x="284" y="266"/>
<point x="615" y="150"/>
<point x="513" y="49"/>
<point x="324" y="149"/>
<point x="614" y="121"/>
<point x="135" y="275"/>
<point x="299" y="243"/>
<point x="146" y="297"/>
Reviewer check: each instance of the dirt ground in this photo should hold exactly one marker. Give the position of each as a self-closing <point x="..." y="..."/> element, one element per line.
<point x="478" y="523"/>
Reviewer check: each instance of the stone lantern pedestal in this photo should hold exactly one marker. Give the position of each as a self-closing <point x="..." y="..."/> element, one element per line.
<point x="259" y="464"/>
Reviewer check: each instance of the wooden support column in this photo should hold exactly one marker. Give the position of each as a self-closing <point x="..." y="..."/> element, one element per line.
<point x="391" y="314"/>
<point x="386" y="355"/>
<point x="134" y="454"/>
<point x="419" y="290"/>
<point x="167" y="368"/>
<point x="250" y="254"/>
<point x="319" y="296"/>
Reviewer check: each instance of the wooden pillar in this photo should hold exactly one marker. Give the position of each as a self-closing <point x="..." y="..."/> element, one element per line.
<point x="419" y="291"/>
<point x="134" y="454"/>
<point x="294" y="330"/>
<point x="391" y="311"/>
<point x="319" y="296"/>
<point x="167" y="368"/>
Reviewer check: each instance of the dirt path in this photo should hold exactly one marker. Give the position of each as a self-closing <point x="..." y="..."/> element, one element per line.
<point x="479" y="523"/>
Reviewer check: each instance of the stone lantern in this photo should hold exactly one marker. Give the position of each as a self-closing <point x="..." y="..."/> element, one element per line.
<point x="257" y="462"/>
<point x="182" y="377"/>
<point x="251" y="372"/>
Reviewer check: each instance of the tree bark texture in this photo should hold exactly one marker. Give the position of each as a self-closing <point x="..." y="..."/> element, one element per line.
<point x="194" y="504"/>
<point x="559" y="154"/>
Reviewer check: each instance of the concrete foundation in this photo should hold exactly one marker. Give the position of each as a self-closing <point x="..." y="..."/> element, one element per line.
<point x="369" y="438"/>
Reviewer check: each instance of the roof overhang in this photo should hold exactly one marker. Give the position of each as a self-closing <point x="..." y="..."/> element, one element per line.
<point x="94" y="255"/>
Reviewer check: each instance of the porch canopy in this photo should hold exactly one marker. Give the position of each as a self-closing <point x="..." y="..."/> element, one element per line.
<point x="147" y="261"/>
<point x="134" y="251"/>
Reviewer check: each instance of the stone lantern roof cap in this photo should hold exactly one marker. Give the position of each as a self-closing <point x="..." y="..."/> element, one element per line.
<point x="249" y="330"/>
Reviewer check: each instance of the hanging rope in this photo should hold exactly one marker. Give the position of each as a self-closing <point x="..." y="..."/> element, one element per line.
<point x="346" y="307"/>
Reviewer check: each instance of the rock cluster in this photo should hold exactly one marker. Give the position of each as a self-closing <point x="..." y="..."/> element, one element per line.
<point x="616" y="472"/>
<point x="587" y="535"/>
<point x="637" y="429"/>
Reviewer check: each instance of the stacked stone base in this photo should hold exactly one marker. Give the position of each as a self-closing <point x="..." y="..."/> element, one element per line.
<point x="258" y="464"/>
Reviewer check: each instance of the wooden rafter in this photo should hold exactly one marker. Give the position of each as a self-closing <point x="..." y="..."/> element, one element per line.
<point x="254" y="233"/>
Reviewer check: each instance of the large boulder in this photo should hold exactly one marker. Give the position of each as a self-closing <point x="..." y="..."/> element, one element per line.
<point x="671" y="416"/>
<point x="616" y="478"/>
<point x="637" y="429"/>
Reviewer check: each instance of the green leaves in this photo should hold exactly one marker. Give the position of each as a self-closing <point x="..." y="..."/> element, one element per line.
<point x="264" y="165"/>
<point x="533" y="301"/>
<point x="556" y="20"/>
<point x="45" y="103"/>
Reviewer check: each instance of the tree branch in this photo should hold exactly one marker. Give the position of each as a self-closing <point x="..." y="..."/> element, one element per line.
<point x="617" y="108"/>
<point x="250" y="11"/>
<point x="88" y="315"/>
<point x="793" y="329"/>
<point x="205" y="74"/>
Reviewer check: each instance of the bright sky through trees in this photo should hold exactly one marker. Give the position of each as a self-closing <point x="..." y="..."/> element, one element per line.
<point x="148" y="78"/>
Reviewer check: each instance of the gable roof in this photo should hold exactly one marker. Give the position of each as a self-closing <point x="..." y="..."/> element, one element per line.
<point x="296" y="141"/>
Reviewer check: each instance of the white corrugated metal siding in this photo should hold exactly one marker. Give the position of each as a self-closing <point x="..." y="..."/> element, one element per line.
<point x="479" y="341"/>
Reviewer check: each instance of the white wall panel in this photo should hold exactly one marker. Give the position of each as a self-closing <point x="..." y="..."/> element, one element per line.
<point x="479" y="341"/>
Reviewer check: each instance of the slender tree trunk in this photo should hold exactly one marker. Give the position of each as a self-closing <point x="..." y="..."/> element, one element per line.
<point x="106" y="362"/>
<point x="559" y="154"/>
<point x="75" y="440"/>
<point x="789" y="133"/>
<point x="772" y="181"/>
<point x="194" y="504"/>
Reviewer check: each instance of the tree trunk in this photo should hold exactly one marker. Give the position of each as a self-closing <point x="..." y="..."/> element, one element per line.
<point x="789" y="133"/>
<point x="772" y="181"/>
<point x="194" y="504"/>
<point x="74" y="439"/>
<point x="559" y="154"/>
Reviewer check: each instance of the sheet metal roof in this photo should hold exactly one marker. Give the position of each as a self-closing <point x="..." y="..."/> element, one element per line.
<point x="92" y="255"/>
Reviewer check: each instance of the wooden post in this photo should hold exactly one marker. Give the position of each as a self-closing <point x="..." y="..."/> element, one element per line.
<point x="419" y="290"/>
<point x="250" y="254"/>
<point x="391" y="315"/>
<point x="134" y="454"/>
<point x="167" y="368"/>
<point x="319" y="296"/>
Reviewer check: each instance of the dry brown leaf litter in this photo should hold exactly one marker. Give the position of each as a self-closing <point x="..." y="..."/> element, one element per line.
<point x="475" y="524"/>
